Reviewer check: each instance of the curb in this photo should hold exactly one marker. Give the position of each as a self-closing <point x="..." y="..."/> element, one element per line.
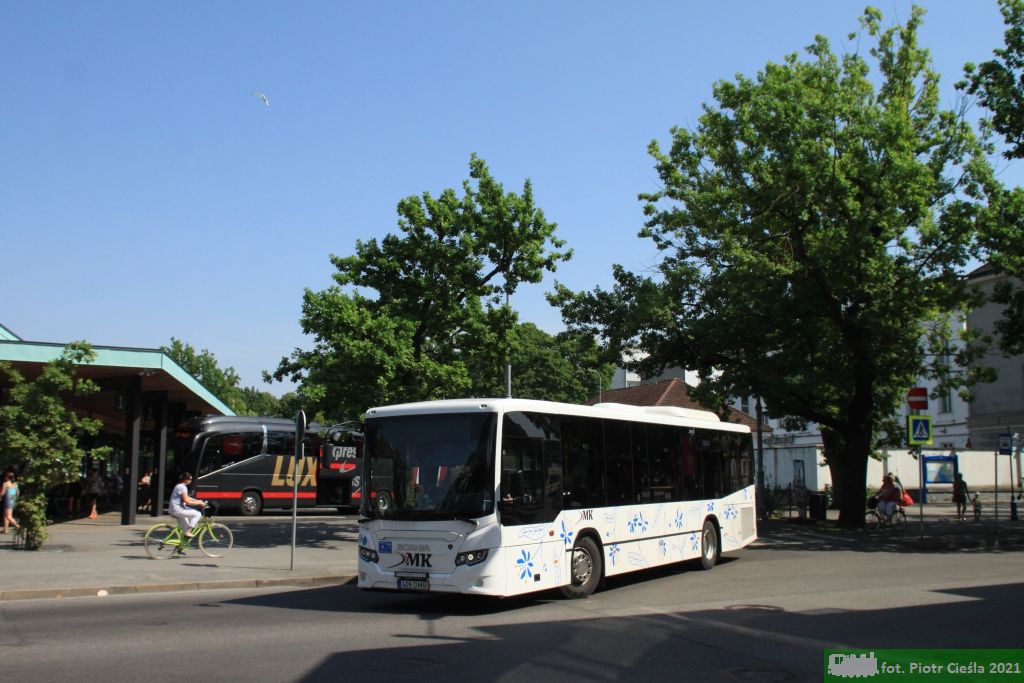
<point x="104" y="591"/>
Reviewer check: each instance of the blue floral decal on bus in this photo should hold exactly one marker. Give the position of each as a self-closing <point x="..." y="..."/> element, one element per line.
<point x="566" y="535"/>
<point x="663" y="547"/>
<point x="637" y="523"/>
<point x="694" y="541"/>
<point x="679" y="519"/>
<point x="525" y="564"/>
<point x="730" y="512"/>
<point x="613" y="552"/>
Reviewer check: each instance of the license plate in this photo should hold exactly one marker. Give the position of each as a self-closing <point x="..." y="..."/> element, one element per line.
<point x="413" y="585"/>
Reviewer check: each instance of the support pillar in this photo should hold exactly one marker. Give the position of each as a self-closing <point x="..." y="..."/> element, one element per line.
<point x="133" y="437"/>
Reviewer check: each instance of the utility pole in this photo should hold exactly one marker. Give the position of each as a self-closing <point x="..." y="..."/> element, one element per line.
<point x="508" y="358"/>
<point x="760" y="493"/>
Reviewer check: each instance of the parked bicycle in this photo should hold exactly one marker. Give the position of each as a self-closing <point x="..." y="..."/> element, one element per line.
<point x="875" y="520"/>
<point x="164" y="541"/>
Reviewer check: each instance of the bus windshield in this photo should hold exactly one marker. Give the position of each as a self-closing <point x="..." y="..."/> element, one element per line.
<point x="429" y="467"/>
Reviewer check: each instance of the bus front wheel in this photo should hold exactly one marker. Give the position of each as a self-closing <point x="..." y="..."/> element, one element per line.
<point x="585" y="569"/>
<point x="251" y="504"/>
<point x="709" y="548"/>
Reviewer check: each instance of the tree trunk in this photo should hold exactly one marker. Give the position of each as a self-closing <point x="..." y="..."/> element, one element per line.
<point x="834" y="450"/>
<point x="853" y="474"/>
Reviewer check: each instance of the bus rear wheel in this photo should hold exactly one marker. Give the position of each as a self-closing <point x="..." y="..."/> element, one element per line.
<point x="251" y="504"/>
<point x="709" y="547"/>
<point x="585" y="569"/>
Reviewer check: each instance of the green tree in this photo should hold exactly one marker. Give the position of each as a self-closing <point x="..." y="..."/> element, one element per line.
<point x="39" y="433"/>
<point x="406" y="309"/>
<point x="203" y="366"/>
<point x="252" y="401"/>
<point x="999" y="86"/>
<point x="544" y="367"/>
<point x="813" y="229"/>
<point x="224" y="383"/>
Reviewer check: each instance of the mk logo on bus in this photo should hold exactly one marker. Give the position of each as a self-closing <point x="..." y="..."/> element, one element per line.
<point x="413" y="560"/>
<point x="307" y="472"/>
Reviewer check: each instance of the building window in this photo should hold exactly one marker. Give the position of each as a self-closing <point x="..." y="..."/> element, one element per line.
<point x="946" y="401"/>
<point x="745" y="404"/>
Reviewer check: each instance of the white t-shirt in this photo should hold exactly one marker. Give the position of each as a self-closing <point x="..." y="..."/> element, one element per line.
<point x="177" y="503"/>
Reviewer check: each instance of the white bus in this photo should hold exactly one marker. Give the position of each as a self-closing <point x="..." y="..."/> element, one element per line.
<point x="509" y="496"/>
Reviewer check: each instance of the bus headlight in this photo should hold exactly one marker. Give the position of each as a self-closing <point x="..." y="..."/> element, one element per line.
<point x="470" y="558"/>
<point x="368" y="555"/>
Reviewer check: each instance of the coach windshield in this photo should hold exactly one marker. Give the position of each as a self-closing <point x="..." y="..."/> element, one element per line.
<point x="429" y="467"/>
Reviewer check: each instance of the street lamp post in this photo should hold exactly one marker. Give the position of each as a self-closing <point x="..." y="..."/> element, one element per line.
<point x="508" y="357"/>
<point x="759" y="481"/>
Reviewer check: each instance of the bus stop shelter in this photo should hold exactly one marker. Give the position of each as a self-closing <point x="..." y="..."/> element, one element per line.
<point x="140" y="390"/>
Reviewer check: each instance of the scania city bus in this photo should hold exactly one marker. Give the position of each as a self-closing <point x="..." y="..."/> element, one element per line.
<point x="508" y="496"/>
<point x="247" y="463"/>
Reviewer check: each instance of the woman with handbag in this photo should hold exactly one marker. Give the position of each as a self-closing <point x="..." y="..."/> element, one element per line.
<point x="960" y="494"/>
<point x="889" y="497"/>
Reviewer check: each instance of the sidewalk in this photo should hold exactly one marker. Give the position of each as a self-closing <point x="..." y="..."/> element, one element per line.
<point x="99" y="557"/>
<point x="86" y="557"/>
<point x="933" y="529"/>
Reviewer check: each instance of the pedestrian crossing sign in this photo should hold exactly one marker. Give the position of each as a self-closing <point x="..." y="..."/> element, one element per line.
<point x="919" y="430"/>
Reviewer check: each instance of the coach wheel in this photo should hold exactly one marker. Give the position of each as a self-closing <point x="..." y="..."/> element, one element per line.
<point x="709" y="549"/>
<point x="584" y="569"/>
<point x="251" y="504"/>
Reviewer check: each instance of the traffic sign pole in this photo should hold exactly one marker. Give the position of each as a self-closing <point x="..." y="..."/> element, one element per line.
<point x="300" y="452"/>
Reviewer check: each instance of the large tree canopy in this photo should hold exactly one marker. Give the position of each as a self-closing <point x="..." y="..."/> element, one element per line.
<point x="411" y="314"/>
<point x="999" y="85"/>
<point x="813" y="229"/>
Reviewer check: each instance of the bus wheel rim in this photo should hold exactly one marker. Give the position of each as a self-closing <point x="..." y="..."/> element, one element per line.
<point x="582" y="565"/>
<point x="709" y="543"/>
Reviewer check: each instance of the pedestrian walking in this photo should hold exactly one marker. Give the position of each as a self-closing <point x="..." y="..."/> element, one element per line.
<point x="10" y="497"/>
<point x="144" y="484"/>
<point x="93" y="490"/>
<point x="960" y="493"/>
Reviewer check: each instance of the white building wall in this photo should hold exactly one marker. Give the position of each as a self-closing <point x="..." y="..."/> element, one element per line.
<point x="979" y="468"/>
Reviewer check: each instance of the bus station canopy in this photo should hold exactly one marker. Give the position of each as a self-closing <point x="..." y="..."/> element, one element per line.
<point x="119" y="371"/>
<point x="140" y="390"/>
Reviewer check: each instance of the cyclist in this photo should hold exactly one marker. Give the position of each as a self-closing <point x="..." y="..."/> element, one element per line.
<point x="888" y="497"/>
<point x="180" y="502"/>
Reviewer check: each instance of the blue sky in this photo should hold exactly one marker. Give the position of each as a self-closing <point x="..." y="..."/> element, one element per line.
<point x="146" y="193"/>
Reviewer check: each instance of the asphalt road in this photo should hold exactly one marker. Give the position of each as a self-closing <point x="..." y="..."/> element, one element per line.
<point x="766" y="613"/>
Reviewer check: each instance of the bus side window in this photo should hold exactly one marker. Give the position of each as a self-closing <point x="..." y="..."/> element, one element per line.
<point x="531" y="470"/>
<point x="224" y="450"/>
<point x="281" y="443"/>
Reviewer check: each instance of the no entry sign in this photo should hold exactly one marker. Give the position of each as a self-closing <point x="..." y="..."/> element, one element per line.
<point x="917" y="398"/>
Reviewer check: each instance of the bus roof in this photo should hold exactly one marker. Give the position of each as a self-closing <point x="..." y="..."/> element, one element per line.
<point x="668" y="415"/>
<point x="229" y="422"/>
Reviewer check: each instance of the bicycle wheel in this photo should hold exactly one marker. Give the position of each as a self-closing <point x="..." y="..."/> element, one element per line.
<point x="161" y="541"/>
<point x="871" y="521"/>
<point x="215" y="540"/>
<point x="899" y="520"/>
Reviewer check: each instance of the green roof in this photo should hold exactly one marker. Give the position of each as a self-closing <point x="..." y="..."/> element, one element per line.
<point x="156" y="368"/>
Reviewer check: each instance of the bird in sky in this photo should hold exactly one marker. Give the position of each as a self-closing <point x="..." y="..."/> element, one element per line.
<point x="266" y="100"/>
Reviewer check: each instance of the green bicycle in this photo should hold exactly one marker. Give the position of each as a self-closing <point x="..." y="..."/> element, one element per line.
<point x="164" y="541"/>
